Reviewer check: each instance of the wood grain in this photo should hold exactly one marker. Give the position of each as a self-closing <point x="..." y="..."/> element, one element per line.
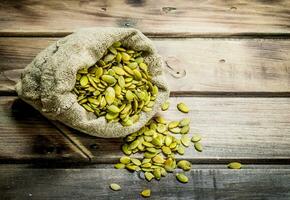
<point x="194" y="65"/>
<point x="91" y="183"/>
<point x="174" y="18"/>
<point x="26" y="135"/>
<point x="251" y="130"/>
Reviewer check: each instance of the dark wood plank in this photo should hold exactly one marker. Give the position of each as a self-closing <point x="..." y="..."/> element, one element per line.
<point x="93" y="183"/>
<point x="174" y="18"/>
<point x="252" y="130"/>
<point x="27" y="136"/>
<point x="194" y="65"/>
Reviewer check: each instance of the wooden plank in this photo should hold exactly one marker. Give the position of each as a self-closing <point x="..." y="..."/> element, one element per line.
<point x="251" y="130"/>
<point x="195" y="65"/>
<point x="26" y="135"/>
<point x="174" y="18"/>
<point x="93" y="183"/>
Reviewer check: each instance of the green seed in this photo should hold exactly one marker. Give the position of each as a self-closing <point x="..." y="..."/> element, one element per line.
<point x="173" y="124"/>
<point x="180" y="150"/>
<point x="184" y="130"/>
<point x="125" y="160"/>
<point x="119" y="166"/>
<point x="184" y="164"/>
<point x="195" y="138"/>
<point x="181" y="178"/>
<point x="161" y="128"/>
<point x="125" y="56"/>
<point x="198" y="146"/>
<point x="165" y="106"/>
<point x="158" y="159"/>
<point x="185" y="140"/>
<point x="126" y="150"/>
<point x="175" y="130"/>
<point x="134" y="144"/>
<point x="109" y="79"/>
<point x="149" y="176"/>
<point x="168" y="140"/>
<point x="157" y="173"/>
<point x="110" y="95"/>
<point x="166" y="150"/>
<point x="113" y="109"/>
<point x="184" y="122"/>
<point x="234" y="165"/>
<point x="115" y="187"/>
<point x="135" y="161"/>
<point x="146" y="193"/>
<point x="84" y="81"/>
<point x="182" y="107"/>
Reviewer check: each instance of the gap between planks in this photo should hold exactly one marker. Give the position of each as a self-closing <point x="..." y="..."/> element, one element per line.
<point x="249" y="35"/>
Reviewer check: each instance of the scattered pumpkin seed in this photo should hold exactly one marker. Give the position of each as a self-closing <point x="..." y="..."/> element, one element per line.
<point x="234" y="165"/>
<point x="119" y="166"/>
<point x="182" y="107"/>
<point x="165" y="106"/>
<point x="146" y="193"/>
<point x="198" y="146"/>
<point x="195" y="138"/>
<point x="115" y="186"/>
<point x="184" y="122"/>
<point x="181" y="178"/>
<point x="184" y="164"/>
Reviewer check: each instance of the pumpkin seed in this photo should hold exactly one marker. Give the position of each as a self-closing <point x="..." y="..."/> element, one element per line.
<point x="158" y="159"/>
<point x="125" y="160"/>
<point x="119" y="166"/>
<point x="182" y="107"/>
<point x="136" y="161"/>
<point x="165" y="106"/>
<point x="173" y="124"/>
<point x="180" y="150"/>
<point x="185" y="140"/>
<point x="115" y="186"/>
<point x="234" y="165"/>
<point x="181" y="178"/>
<point x="184" y="164"/>
<point x="146" y="193"/>
<point x="84" y="81"/>
<point x="149" y="176"/>
<point x="184" y="122"/>
<point x="184" y="130"/>
<point x="157" y="173"/>
<point x="166" y="150"/>
<point x="195" y="138"/>
<point x="198" y="146"/>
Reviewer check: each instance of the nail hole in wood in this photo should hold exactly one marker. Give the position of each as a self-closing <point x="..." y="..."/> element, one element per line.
<point x="222" y="60"/>
<point x="94" y="146"/>
<point x="104" y="9"/>
<point x="234" y="8"/>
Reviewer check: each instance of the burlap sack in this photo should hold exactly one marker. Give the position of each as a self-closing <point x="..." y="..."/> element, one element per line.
<point x="47" y="81"/>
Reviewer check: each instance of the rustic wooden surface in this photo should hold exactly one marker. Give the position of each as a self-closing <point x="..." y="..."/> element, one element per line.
<point x="175" y="18"/>
<point x="228" y="60"/>
<point x="92" y="183"/>
<point x="26" y="135"/>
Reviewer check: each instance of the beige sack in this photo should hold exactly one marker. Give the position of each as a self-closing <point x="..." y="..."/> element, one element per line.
<point x="47" y="81"/>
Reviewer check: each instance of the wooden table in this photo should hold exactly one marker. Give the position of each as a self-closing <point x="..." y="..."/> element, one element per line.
<point x="228" y="60"/>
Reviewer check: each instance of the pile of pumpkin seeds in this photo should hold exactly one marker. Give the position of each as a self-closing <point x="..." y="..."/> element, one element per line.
<point x="118" y="86"/>
<point x="159" y="141"/>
